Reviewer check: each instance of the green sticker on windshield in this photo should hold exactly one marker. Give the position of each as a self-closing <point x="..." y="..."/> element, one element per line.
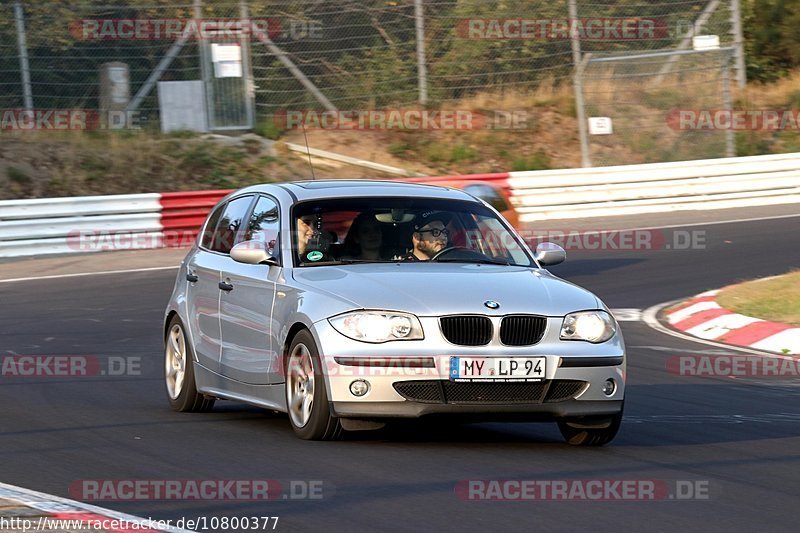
<point x="314" y="256"/>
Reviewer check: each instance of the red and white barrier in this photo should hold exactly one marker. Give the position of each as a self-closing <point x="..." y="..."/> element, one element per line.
<point x="704" y="318"/>
<point x="124" y="222"/>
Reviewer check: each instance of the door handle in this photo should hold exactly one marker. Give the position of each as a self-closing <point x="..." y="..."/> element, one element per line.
<point x="227" y="287"/>
<point x="192" y="278"/>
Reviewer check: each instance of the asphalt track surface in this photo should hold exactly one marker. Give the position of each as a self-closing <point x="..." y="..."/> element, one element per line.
<point x="741" y="437"/>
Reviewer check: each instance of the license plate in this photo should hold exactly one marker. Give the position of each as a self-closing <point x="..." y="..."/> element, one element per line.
<point x="501" y="369"/>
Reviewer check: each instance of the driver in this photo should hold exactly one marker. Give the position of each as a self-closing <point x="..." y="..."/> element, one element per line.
<point x="430" y="236"/>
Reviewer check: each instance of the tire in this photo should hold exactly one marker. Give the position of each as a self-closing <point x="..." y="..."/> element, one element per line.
<point x="309" y="411"/>
<point x="582" y="436"/>
<point x="179" y="372"/>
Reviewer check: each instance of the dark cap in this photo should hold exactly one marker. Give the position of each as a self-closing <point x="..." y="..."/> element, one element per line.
<point x="429" y="216"/>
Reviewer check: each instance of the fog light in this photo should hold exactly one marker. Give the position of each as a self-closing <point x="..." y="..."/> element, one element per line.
<point x="609" y="387"/>
<point x="359" y="387"/>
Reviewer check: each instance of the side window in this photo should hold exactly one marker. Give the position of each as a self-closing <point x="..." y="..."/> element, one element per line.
<point x="224" y="235"/>
<point x="211" y="225"/>
<point x="489" y="195"/>
<point x="264" y="219"/>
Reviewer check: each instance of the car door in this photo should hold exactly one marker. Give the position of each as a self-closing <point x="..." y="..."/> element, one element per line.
<point x="203" y="272"/>
<point x="249" y="339"/>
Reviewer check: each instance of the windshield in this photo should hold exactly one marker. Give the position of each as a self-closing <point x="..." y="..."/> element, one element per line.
<point x="381" y="230"/>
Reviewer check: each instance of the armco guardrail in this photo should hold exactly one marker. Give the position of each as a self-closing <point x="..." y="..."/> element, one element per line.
<point x="658" y="187"/>
<point x="135" y="221"/>
<point x="120" y="222"/>
<point x="96" y="223"/>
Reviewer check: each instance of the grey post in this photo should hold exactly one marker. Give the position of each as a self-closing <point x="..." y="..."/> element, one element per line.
<point x="419" y="18"/>
<point x="738" y="43"/>
<point x="730" y="139"/>
<point x="205" y="69"/>
<point x="249" y="85"/>
<point x="23" y="56"/>
<point x="586" y="160"/>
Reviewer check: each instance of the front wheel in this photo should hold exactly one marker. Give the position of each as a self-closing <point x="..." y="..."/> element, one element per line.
<point x="306" y="397"/>
<point x="179" y="372"/>
<point x="578" y="432"/>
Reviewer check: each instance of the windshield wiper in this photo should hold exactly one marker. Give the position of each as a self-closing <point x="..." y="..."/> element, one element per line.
<point x="355" y="261"/>
<point x="480" y="261"/>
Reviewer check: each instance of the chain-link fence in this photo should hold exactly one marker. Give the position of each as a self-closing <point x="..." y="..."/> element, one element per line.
<point x="652" y="103"/>
<point x="358" y="54"/>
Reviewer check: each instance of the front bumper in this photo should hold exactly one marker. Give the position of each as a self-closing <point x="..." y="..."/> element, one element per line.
<point x="476" y="412"/>
<point x="566" y="361"/>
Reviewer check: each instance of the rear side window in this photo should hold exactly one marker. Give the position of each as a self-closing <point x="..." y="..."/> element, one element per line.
<point x="223" y="233"/>
<point x="211" y="225"/>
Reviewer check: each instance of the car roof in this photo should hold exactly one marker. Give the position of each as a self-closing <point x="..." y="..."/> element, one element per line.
<point x="319" y="189"/>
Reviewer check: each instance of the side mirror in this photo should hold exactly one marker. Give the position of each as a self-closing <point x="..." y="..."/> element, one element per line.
<point x="254" y="253"/>
<point x="549" y="254"/>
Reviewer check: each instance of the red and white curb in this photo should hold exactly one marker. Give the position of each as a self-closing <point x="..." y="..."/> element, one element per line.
<point x="25" y="509"/>
<point x="702" y="317"/>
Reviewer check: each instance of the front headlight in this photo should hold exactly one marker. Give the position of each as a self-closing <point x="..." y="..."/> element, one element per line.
<point x="378" y="326"/>
<point x="590" y="326"/>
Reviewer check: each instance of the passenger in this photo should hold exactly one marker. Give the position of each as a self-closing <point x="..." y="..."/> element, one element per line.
<point x="364" y="239"/>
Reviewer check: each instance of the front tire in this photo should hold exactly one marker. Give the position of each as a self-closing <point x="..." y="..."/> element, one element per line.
<point x="589" y="436"/>
<point x="179" y="372"/>
<point x="306" y="395"/>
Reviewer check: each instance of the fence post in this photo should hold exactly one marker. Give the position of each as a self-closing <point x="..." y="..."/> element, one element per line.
<point x="19" y="15"/>
<point x="730" y="139"/>
<point x="205" y="56"/>
<point x="738" y="43"/>
<point x="419" y="18"/>
<point x="586" y="160"/>
<point x="247" y="69"/>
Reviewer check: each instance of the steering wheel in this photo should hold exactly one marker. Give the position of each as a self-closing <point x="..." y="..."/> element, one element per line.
<point x="465" y="253"/>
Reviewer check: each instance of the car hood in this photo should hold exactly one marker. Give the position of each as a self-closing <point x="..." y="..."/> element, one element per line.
<point x="434" y="289"/>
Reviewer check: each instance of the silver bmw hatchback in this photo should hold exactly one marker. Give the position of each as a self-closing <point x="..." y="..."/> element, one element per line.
<point x="350" y="303"/>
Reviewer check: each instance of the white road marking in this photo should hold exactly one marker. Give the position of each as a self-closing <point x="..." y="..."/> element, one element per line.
<point x="82" y="274"/>
<point x="708" y="293"/>
<point x="686" y="312"/>
<point x="669" y="349"/>
<point x="717" y="327"/>
<point x="713" y="223"/>
<point x="49" y="503"/>
<point x="627" y="315"/>
<point x="788" y="340"/>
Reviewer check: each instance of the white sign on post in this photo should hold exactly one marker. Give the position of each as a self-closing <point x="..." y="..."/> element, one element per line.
<point x="600" y="126"/>
<point x="705" y="42"/>
<point x="227" y="59"/>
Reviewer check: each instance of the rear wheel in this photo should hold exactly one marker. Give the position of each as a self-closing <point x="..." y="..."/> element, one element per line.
<point x="179" y="372"/>
<point x="306" y="396"/>
<point x="582" y="433"/>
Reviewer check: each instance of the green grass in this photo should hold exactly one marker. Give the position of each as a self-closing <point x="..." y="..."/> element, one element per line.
<point x="18" y="176"/>
<point x="776" y="299"/>
<point x="269" y="129"/>
<point x="538" y="161"/>
<point x="463" y="152"/>
<point x="399" y="148"/>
